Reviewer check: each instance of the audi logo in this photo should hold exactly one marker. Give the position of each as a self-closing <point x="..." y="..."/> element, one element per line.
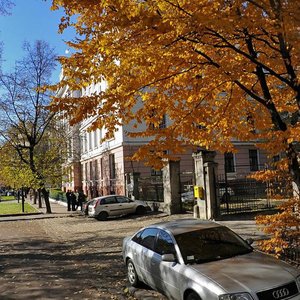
<point x="282" y="293"/>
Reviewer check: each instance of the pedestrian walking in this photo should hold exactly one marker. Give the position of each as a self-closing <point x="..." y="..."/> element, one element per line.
<point x="68" y="196"/>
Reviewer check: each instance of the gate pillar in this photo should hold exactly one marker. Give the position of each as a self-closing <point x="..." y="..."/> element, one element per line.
<point x="205" y="177"/>
<point x="171" y="182"/>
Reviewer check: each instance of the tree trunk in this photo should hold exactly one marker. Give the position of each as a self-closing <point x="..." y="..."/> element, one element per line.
<point x="40" y="198"/>
<point x="47" y="201"/>
<point x="34" y="196"/>
<point x="23" y="201"/>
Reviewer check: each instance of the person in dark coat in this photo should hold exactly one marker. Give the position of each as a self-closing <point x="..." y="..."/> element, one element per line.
<point x="73" y="200"/>
<point x="80" y="199"/>
<point x="68" y="196"/>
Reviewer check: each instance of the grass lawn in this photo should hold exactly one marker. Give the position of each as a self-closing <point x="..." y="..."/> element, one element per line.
<point x="15" y="208"/>
<point x="7" y="198"/>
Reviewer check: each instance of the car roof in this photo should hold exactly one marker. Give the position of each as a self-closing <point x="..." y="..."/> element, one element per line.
<point x="105" y="196"/>
<point x="185" y="225"/>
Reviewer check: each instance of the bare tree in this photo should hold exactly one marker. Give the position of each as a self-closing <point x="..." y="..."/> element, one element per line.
<point x="24" y="117"/>
<point x="5" y="7"/>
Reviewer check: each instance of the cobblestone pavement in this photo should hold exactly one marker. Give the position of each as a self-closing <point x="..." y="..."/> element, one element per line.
<point x="71" y="257"/>
<point x="74" y="257"/>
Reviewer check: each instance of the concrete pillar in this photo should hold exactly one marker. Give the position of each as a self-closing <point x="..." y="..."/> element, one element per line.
<point x="132" y="185"/>
<point x="171" y="182"/>
<point x="205" y="170"/>
<point x="210" y="190"/>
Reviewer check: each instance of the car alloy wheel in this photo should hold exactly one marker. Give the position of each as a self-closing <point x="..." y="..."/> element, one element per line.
<point x="131" y="274"/>
<point x="103" y="215"/>
<point x="140" y="210"/>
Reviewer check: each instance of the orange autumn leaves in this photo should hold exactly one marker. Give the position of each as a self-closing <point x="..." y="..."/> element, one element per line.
<point x="219" y="70"/>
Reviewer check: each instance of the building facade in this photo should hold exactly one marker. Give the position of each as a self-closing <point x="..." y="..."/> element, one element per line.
<point x="101" y="168"/>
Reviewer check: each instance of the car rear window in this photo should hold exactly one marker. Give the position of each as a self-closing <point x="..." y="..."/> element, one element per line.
<point x="109" y="200"/>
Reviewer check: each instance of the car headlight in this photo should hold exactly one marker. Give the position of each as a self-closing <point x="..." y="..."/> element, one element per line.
<point x="236" y="296"/>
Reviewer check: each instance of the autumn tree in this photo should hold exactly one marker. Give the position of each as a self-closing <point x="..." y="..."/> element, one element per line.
<point x="25" y="120"/>
<point x="218" y="69"/>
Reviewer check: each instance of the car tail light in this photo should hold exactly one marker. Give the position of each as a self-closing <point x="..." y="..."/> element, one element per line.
<point x="96" y="204"/>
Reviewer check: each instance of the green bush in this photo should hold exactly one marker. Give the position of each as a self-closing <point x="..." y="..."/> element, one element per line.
<point x="58" y="195"/>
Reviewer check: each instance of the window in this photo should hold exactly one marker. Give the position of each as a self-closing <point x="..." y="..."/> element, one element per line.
<point x="163" y="123"/>
<point x="253" y="159"/>
<point x="96" y="138"/>
<point x="156" y="172"/>
<point x="164" y="244"/>
<point x="159" y="122"/>
<point x="112" y="167"/>
<point x="86" y="172"/>
<point x="91" y="170"/>
<point x="101" y="168"/>
<point x="121" y="199"/>
<point x="96" y="170"/>
<point x="83" y="143"/>
<point x="82" y="171"/>
<point x="90" y="140"/>
<point x="229" y="162"/>
<point x="108" y="200"/>
<point x="146" y="238"/>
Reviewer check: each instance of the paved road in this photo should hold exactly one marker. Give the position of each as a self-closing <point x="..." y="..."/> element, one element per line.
<point x="69" y="256"/>
<point x="66" y="258"/>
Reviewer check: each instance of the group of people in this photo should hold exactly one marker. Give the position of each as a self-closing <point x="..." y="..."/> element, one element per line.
<point x="74" y="200"/>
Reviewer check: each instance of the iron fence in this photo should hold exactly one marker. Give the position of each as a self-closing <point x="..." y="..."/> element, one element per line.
<point x="151" y="188"/>
<point x="241" y="195"/>
<point x="292" y="253"/>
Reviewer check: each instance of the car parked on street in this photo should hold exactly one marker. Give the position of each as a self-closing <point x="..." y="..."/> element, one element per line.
<point x="85" y="206"/>
<point x="190" y="259"/>
<point x="115" y="205"/>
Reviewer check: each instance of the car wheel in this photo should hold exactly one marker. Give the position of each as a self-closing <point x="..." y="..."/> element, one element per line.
<point x="140" y="210"/>
<point x="131" y="274"/>
<point x="103" y="215"/>
<point x="192" y="296"/>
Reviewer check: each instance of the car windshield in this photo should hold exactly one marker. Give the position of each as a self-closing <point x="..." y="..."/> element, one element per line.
<point x="210" y="244"/>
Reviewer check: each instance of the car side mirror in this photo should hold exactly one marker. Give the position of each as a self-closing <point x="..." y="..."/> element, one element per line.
<point x="169" y="257"/>
<point x="250" y="241"/>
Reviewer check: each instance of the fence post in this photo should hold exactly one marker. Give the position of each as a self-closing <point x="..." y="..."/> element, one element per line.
<point x="205" y="172"/>
<point x="171" y="183"/>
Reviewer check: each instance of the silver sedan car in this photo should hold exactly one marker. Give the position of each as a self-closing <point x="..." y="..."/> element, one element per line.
<point x="190" y="259"/>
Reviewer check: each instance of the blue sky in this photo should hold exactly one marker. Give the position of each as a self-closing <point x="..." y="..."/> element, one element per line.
<point x="31" y="20"/>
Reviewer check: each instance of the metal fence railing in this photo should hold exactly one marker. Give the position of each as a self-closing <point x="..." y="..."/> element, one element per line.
<point x="292" y="253"/>
<point x="241" y="195"/>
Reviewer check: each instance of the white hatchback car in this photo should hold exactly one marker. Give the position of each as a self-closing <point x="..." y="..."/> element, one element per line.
<point x="114" y="205"/>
